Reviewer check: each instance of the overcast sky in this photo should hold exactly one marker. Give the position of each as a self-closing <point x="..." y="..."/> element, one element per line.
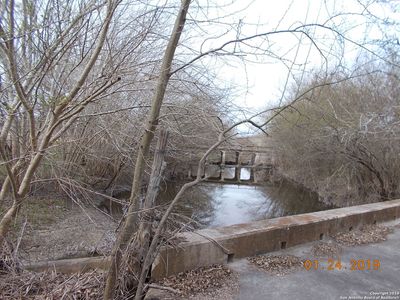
<point x="263" y="81"/>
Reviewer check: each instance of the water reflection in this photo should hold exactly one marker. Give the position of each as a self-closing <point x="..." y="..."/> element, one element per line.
<point x="196" y="203"/>
<point x="245" y="174"/>
<point x="229" y="173"/>
<point x="214" y="204"/>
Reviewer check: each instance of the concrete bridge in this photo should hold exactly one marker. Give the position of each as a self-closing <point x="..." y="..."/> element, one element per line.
<point x="225" y="165"/>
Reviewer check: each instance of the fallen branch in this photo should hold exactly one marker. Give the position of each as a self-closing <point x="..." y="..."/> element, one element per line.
<point x="161" y="287"/>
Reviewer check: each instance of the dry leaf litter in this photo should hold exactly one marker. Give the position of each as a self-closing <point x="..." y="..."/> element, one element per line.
<point x="365" y="235"/>
<point x="277" y="264"/>
<point x="203" y="283"/>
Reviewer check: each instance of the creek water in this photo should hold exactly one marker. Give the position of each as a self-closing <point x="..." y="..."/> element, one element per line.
<point x="214" y="204"/>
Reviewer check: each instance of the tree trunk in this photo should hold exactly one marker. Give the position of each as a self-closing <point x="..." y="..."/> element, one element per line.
<point x="144" y="232"/>
<point x="7" y="219"/>
<point x="130" y="224"/>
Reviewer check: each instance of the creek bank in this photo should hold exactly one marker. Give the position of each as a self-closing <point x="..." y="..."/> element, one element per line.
<point x="59" y="228"/>
<point x="331" y="198"/>
<point x="278" y="177"/>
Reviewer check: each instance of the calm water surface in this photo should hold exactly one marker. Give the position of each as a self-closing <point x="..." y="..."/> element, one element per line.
<point x="214" y="204"/>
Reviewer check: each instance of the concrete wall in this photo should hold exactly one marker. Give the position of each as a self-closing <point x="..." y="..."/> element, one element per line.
<point x="75" y="265"/>
<point x="219" y="245"/>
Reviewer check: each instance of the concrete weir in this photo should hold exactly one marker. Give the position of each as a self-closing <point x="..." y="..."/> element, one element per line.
<point x="220" y="245"/>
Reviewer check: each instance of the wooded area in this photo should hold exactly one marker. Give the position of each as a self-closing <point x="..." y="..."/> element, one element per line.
<point x="99" y="95"/>
<point x="342" y="140"/>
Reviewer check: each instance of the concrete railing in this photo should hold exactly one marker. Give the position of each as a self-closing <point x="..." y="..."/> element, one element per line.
<point x="72" y="265"/>
<point x="220" y="245"/>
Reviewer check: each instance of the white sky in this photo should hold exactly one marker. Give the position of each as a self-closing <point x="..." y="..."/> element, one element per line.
<point x="262" y="83"/>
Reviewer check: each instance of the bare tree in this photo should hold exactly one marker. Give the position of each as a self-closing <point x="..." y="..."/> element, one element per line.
<point x="237" y="47"/>
<point x="352" y="131"/>
<point x="59" y="71"/>
<point x="37" y="69"/>
<point x="132" y="220"/>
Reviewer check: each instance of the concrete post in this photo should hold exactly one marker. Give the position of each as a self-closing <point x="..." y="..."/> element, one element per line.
<point x="252" y="167"/>
<point x="237" y="167"/>
<point x="253" y="159"/>
<point x="222" y="166"/>
<point x="237" y="173"/>
<point x="252" y="176"/>
<point x="220" y="163"/>
<point x="203" y="170"/>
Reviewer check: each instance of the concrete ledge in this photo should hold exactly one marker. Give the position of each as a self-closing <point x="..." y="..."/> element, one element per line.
<point x="220" y="245"/>
<point x="75" y="265"/>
